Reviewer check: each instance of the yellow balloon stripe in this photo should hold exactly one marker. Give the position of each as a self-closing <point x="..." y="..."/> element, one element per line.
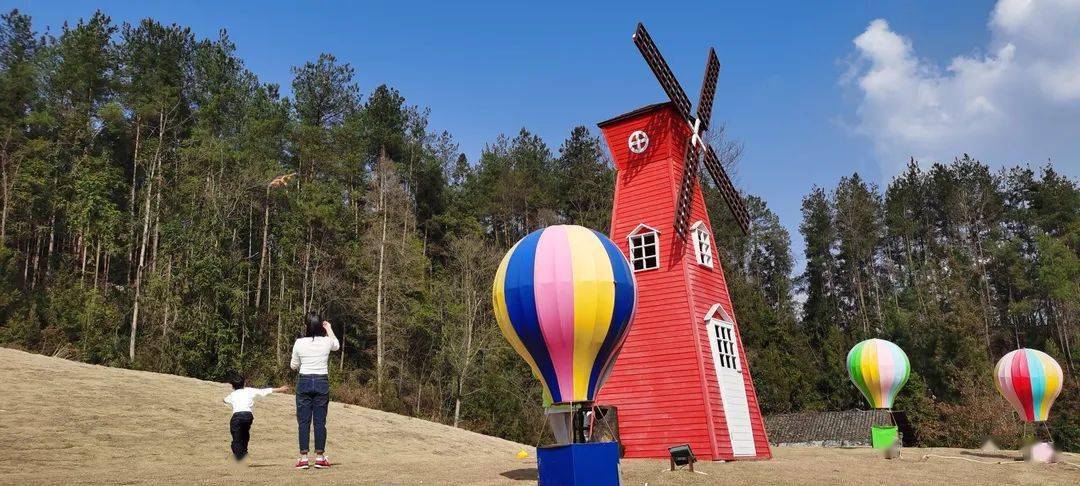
<point x="594" y="301"/>
<point x="870" y="371"/>
<point x="1052" y="372"/>
<point x="502" y="316"/>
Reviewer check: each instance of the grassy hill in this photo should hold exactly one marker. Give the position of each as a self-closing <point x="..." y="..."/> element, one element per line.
<point x="73" y="423"/>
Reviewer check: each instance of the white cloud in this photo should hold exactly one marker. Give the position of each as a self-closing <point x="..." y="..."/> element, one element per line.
<point x="1017" y="102"/>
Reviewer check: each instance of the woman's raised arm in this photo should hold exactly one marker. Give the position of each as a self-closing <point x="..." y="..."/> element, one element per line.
<point x="330" y="334"/>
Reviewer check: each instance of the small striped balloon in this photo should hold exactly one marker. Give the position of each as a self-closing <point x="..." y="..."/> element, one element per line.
<point x="1030" y="380"/>
<point x="564" y="298"/>
<point x="879" y="369"/>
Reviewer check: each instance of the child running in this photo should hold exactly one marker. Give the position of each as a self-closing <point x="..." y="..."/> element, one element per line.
<point x="242" y="400"/>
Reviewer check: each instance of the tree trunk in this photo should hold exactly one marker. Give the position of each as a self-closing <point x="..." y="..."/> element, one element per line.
<point x="862" y="301"/>
<point x="305" y="303"/>
<point x="165" y="318"/>
<point x="145" y="238"/>
<point x="157" y="220"/>
<point x="472" y="312"/>
<point x="460" y="382"/>
<point x="269" y="284"/>
<point x="341" y="355"/>
<point x="131" y="197"/>
<point x="262" y="252"/>
<point x="875" y="285"/>
<point x="97" y="260"/>
<point x="281" y="297"/>
<point x="82" y="256"/>
<point x="7" y="184"/>
<point x="314" y="287"/>
<point x="419" y="389"/>
<point x="247" y="257"/>
<point x="37" y="257"/>
<point x="984" y="296"/>
<point x="1068" y="347"/>
<point x="4" y="211"/>
<point x="379" y="286"/>
<point x="457" y="404"/>
<point x="52" y="242"/>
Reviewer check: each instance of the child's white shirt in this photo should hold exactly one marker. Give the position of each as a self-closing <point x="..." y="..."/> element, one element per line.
<point x="243" y="399"/>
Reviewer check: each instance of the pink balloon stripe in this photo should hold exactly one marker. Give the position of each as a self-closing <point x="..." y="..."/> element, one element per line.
<point x="1005" y="382"/>
<point x="886" y="372"/>
<point x="554" y="294"/>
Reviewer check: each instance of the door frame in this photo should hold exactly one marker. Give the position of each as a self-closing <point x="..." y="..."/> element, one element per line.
<point x="723" y="320"/>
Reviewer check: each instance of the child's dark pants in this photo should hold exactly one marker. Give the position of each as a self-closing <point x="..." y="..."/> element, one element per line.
<point x="240" y="427"/>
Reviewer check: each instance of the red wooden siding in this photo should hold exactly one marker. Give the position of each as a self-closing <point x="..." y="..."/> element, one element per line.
<point x="664" y="383"/>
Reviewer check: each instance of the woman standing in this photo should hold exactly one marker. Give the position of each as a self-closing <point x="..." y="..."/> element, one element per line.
<point x="309" y="356"/>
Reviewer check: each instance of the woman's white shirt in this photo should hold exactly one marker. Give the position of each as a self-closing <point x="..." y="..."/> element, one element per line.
<point x="309" y="355"/>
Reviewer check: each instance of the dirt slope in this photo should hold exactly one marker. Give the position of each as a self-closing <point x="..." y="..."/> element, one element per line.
<point x="72" y="423"/>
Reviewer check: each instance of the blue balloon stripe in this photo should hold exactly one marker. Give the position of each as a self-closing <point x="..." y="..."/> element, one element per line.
<point x="1038" y="382"/>
<point x="621" y="313"/>
<point x="522" y="309"/>
<point x="625" y="301"/>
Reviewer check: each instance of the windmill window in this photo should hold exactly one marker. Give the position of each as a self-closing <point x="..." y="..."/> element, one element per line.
<point x="644" y="248"/>
<point x="727" y="352"/>
<point x="702" y="244"/>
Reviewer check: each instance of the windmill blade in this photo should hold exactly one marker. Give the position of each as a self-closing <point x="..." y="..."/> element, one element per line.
<point x="708" y="91"/>
<point x="686" y="190"/>
<point x="661" y="70"/>
<point x="727" y="189"/>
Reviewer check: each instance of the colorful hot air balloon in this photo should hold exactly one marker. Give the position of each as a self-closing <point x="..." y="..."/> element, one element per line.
<point x="564" y="297"/>
<point x="1030" y="380"/>
<point x="879" y="369"/>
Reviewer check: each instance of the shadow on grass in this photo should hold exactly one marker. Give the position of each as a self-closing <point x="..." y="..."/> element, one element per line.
<point x="527" y="474"/>
<point x="993" y="455"/>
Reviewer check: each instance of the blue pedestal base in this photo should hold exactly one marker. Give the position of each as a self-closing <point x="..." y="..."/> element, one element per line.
<point x="579" y="464"/>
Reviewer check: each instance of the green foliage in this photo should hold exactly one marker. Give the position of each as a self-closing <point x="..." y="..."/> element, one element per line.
<point x="972" y="264"/>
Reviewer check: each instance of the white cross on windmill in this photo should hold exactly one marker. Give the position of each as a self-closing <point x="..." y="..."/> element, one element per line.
<point x="695" y="140"/>
<point x="638" y="142"/>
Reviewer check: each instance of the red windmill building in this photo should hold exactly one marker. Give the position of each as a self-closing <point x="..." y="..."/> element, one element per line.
<point x="682" y="376"/>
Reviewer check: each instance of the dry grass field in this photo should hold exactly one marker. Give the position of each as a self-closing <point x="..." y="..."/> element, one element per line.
<point x="72" y="423"/>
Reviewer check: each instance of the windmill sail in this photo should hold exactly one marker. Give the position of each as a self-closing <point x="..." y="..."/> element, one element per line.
<point x="727" y="189"/>
<point x="686" y="188"/>
<point x="661" y="70"/>
<point x="692" y="159"/>
<point x="708" y="90"/>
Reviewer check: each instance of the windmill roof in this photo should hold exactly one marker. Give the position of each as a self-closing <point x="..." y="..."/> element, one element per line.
<point x="630" y="114"/>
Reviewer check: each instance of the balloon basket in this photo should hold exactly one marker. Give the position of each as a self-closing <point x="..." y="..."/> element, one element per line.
<point x="883" y="436"/>
<point x="1039" y="432"/>
<point x="595" y="463"/>
<point x="568" y="422"/>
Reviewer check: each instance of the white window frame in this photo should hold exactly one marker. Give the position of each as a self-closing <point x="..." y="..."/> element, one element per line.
<point x="723" y="340"/>
<point x="639" y="233"/>
<point x="701" y="236"/>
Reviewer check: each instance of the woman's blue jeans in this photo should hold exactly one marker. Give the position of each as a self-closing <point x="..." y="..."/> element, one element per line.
<point x="312" y="399"/>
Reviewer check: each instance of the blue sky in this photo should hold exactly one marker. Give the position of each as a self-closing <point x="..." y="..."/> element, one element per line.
<point x="808" y="102"/>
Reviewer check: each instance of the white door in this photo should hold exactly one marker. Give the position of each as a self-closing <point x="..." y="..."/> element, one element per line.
<point x="725" y="353"/>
